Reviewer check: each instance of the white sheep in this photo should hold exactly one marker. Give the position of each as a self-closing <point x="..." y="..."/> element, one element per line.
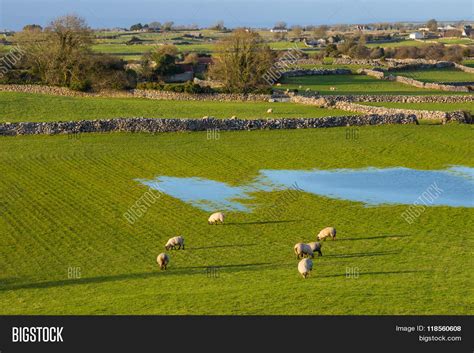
<point x="215" y="218"/>
<point x="327" y="232"/>
<point x="175" y="242"/>
<point x="163" y="260"/>
<point x="270" y="111"/>
<point x="305" y="266"/>
<point x="316" y="247"/>
<point x="332" y="88"/>
<point x="302" y="249"/>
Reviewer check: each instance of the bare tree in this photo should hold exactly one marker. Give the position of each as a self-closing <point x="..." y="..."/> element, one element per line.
<point x="321" y="31"/>
<point x="58" y="55"/>
<point x="242" y="61"/>
<point x="432" y="25"/>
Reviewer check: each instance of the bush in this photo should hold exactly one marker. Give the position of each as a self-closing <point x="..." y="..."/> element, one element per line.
<point x="188" y="87"/>
<point x="82" y="86"/>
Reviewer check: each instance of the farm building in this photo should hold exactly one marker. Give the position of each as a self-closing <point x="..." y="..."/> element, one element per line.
<point x="279" y="30"/>
<point x="416" y="35"/>
<point x="467" y="30"/>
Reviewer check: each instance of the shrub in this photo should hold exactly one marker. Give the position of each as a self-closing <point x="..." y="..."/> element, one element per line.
<point x="188" y="87"/>
<point x="82" y="86"/>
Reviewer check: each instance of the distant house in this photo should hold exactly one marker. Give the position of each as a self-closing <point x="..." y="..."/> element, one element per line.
<point x="467" y="30"/>
<point x="203" y="63"/>
<point x="364" y="28"/>
<point x="134" y="40"/>
<point x="312" y="43"/>
<point x="187" y="74"/>
<point x="279" y="30"/>
<point x="416" y="35"/>
<point x="193" y="35"/>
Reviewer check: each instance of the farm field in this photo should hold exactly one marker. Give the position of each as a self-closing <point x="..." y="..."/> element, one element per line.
<point x="466" y="41"/>
<point x="38" y="107"/>
<point x="403" y="43"/>
<point x="140" y="49"/>
<point x="118" y="47"/>
<point x="64" y="199"/>
<point x="438" y="75"/>
<point x="353" y="67"/>
<point x="446" y="107"/>
<point x="469" y="63"/>
<point x="352" y="84"/>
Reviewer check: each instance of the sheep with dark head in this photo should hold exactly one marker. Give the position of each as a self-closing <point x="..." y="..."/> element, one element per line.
<point x="316" y="247"/>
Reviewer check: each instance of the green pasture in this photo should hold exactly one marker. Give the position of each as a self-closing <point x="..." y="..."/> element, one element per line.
<point x="38" y="107"/>
<point x="67" y="249"/>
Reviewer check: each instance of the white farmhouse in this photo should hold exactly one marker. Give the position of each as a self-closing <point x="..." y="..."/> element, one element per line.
<point x="416" y="35"/>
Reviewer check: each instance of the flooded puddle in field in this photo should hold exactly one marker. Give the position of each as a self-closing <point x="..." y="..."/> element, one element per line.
<point x="453" y="187"/>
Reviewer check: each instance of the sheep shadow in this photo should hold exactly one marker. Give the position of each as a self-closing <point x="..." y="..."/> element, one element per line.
<point x="261" y="222"/>
<point x="376" y="237"/>
<point x="376" y="273"/>
<point x="222" y="246"/>
<point x="365" y="254"/>
<point x="190" y="270"/>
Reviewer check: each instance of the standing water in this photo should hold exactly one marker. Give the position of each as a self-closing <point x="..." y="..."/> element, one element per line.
<point x="372" y="186"/>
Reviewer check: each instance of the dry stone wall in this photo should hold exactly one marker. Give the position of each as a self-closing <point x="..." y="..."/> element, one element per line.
<point x="315" y="72"/>
<point x="137" y="93"/>
<point x="464" y="68"/>
<point x="367" y="98"/>
<point x="176" y="125"/>
<point x="351" y="106"/>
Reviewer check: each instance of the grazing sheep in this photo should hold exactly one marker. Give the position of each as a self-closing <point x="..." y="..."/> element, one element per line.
<point x="308" y="89"/>
<point x="163" y="260"/>
<point x="233" y="117"/>
<point x="302" y="249"/>
<point x="316" y="247"/>
<point x="270" y="111"/>
<point x="305" y="266"/>
<point x="175" y="242"/>
<point x="300" y="87"/>
<point x="278" y="84"/>
<point x="327" y="232"/>
<point x="215" y="218"/>
<point x="332" y="88"/>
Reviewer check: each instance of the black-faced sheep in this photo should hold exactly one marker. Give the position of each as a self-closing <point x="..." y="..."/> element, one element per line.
<point x="316" y="247"/>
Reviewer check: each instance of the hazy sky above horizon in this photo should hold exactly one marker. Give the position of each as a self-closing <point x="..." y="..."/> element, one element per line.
<point x="14" y="14"/>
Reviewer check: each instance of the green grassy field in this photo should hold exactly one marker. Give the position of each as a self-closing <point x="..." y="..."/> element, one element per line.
<point x="352" y="84"/>
<point x="438" y="75"/>
<point x="469" y="63"/>
<point x="353" y="68"/>
<point x="63" y="200"/>
<point x="403" y="43"/>
<point x="37" y="107"/>
<point x="466" y="41"/>
<point x="446" y="107"/>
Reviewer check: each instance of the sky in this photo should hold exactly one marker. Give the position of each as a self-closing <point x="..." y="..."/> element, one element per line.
<point x="14" y="14"/>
